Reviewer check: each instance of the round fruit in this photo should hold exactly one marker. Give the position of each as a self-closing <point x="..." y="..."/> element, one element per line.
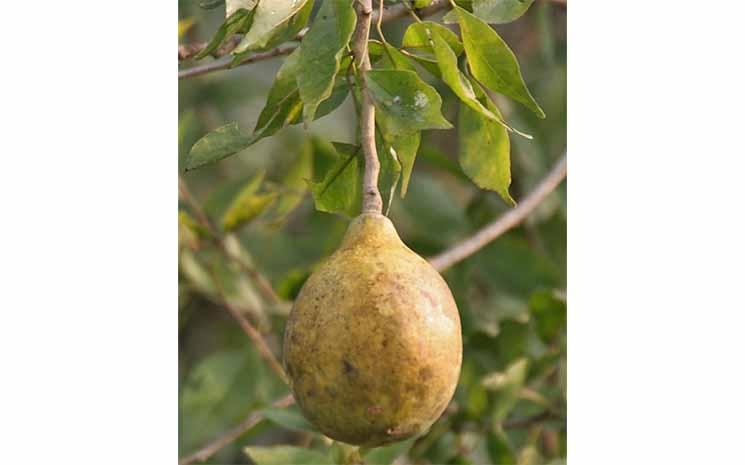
<point x="373" y="344"/>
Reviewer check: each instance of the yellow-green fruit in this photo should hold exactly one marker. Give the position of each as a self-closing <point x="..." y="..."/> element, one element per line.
<point x="373" y="343"/>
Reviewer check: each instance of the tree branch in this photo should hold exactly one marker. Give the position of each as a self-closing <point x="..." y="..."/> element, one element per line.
<point x="252" y="420"/>
<point x="505" y="222"/>
<point x="372" y="202"/>
<point x="392" y="13"/>
<point x="264" y="351"/>
<point x="263" y="284"/>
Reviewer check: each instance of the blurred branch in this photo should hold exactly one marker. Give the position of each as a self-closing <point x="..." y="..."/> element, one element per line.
<point x="528" y="421"/>
<point x="189" y="50"/>
<point x="264" y="286"/>
<point x="252" y="333"/>
<point x="252" y="420"/>
<point x="372" y="202"/>
<point x="505" y="222"/>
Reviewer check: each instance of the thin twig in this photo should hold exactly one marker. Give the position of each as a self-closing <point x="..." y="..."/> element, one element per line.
<point x="263" y="284"/>
<point x="252" y="333"/>
<point x="252" y="420"/>
<point x="188" y="51"/>
<point x="372" y="202"/>
<point x="390" y="14"/>
<point x="505" y="222"/>
<point x="528" y="421"/>
<point x="224" y="63"/>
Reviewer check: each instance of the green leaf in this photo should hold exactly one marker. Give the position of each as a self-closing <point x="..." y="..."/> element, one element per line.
<point x="484" y="148"/>
<point x="549" y="312"/>
<point x="340" y="191"/>
<point x="417" y="37"/>
<point x="247" y="205"/>
<point x="237" y="22"/>
<point x="286" y="455"/>
<point x="500" y="11"/>
<point x="390" y="170"/>
<point x="456" y="80"/>
<point x="283" y="107"/>
<point x="416" y="41"/>
<point x="321" y="51"/>
<point x="231" y="6"/>
<point x="499" y="448"/>
<point x="508" y="384"/>
<point x="216" y="145"/>
<point x="492" y="62"/>
<point x="390" y="57"/>
<point x="388" y="454"/>
<point x="421" y="3"/>
<point x="408" y="103"/>
<point x="269" y="19"/>
<point x="295" y="183"/>
<point x="288" y="418"/>
<point x="405" y="146"/>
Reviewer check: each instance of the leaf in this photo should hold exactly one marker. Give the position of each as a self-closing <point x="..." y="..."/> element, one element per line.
<point x="484" y="148"/>
<point x="492" y="62"/>
<point x="390" y="170"/>
<point x="421" y="3"/>
<point x="386" y="455"/>
<point x="340" y="191"/>
<point x="238" y="21"/>
<point x="320" y="53"/>
<point x="390" y="57"/>
<point x="500" y="11"/>
<point x="283" y="107"/>
<point x="288" y="418"/>
<point x="216" y="145"/>
<point x="295" y="183"/>
<point x="417" y="37"/>
<point x="269" y="19"/>
<point x="456" y="80"/>
<point x="405" y="146"/>
<point x="231" y="6"/>
<point x="247" y="205"/>
<point x="499" y="448"/>
<point x="285" y="455"/>
<point x="408" y="103"/>
<point x="549" y="314"/>
<point x="508" y="384"/>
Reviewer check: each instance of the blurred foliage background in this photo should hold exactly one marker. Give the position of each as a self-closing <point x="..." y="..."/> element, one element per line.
<point x="510" y="405"/>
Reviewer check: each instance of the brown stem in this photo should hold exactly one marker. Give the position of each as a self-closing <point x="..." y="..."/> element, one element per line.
<point x="505" y="222"/>
<point x="252" y="420"/>
<point x="372" y="202"/>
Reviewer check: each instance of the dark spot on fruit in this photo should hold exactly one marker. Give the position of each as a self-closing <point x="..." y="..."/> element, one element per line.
<point x="385" y="343"/>
<point x="425" y="373"/>
<point x="310" y="393"/>
<point x="347" y="367"/>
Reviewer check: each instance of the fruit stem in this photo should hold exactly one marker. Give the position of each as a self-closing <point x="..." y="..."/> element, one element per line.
<point x="372" y="202"/>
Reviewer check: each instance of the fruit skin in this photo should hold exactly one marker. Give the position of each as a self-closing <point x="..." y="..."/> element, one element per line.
<point x="373" y="343"/>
